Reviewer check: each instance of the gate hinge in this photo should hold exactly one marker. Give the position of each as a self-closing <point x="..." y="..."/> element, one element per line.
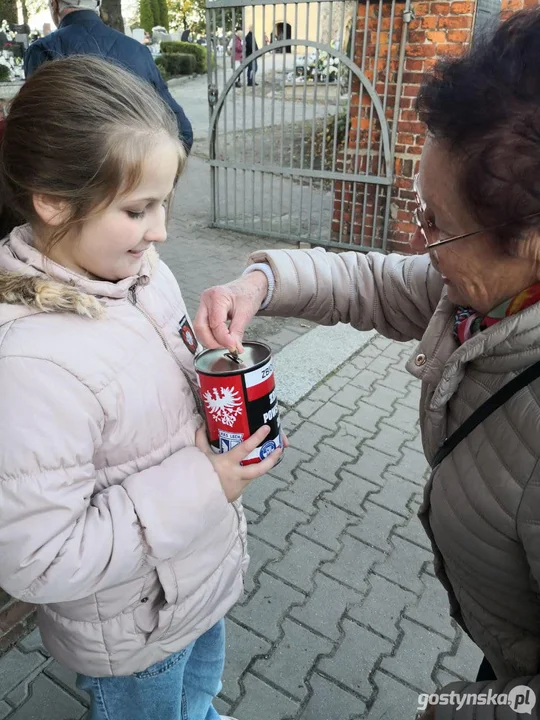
<point x="408" y="16"/>
<point x="212" y="95"/>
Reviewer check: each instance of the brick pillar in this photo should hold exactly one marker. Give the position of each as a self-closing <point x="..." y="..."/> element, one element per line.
<point x="439" y="29"/>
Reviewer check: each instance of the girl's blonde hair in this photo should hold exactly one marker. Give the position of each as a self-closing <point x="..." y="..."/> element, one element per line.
<point x="79" y="130"/>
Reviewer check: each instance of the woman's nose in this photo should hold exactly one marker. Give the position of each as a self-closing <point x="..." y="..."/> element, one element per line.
<point x="418" y="242"/>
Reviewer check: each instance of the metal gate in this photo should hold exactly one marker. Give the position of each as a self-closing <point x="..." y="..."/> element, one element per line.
<point x="303" y="124"/>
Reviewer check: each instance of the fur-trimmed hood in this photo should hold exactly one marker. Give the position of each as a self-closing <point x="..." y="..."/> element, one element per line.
<point x="30" y="283"/>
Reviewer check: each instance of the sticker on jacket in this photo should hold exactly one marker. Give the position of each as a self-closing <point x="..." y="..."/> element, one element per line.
<point x="187" y="335"/>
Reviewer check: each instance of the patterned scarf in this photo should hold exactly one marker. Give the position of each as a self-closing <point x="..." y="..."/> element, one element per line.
<point x="468" y="322"/>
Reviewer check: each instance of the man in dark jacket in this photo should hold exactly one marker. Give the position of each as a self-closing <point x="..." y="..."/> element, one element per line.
<point x="82" y="32"/>
<point x="251" y="47"/>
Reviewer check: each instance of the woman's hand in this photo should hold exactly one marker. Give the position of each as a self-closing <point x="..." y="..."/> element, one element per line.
<point x="237" y="302"/>
<point x="233" y="477"/>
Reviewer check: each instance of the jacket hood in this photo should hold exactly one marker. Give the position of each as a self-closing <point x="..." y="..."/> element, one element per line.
<point x="31" y="283"/>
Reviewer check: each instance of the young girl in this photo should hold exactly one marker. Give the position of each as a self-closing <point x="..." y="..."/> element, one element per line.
<point x="116" y="517"/>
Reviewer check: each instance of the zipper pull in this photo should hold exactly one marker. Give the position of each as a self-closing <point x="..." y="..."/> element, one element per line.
<point x="133" y="293"/>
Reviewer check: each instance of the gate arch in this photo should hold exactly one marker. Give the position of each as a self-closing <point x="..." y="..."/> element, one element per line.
<point x="308" y="153"/>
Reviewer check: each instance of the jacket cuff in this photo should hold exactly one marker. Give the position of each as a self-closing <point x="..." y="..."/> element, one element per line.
<point x="267" y="270"/>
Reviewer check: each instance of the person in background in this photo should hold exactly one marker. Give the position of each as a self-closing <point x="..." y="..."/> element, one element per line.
<point x="82" y="32"/>
<point x="251" y="47"/>
<point x="470" y="297"/>
<point x="237" y="54"/>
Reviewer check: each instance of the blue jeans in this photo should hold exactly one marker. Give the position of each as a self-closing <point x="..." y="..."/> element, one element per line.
<point x="181" y="687"/>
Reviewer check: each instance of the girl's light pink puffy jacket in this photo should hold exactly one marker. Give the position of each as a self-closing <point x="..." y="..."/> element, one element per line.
<point x="110" y="519"/>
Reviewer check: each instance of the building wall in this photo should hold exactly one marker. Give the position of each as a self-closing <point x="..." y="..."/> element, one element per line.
<point x="440" y="29"/>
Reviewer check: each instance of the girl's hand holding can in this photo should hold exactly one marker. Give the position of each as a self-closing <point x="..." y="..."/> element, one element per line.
<point x="234" y="477"/>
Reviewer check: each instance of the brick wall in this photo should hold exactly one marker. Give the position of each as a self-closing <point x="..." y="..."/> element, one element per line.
<point x="16" y="619"/>
<point x="440" y="28"/>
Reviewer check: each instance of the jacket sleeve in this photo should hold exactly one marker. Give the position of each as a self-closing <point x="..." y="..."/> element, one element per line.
<point x="185" y="130"/>
<point x="62" y="536"/>
<point x="34" y="56"/>
<point x="394" y="294"/>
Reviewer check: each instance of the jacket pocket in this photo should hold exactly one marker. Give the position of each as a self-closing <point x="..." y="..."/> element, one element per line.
<point x="154" y="611"/>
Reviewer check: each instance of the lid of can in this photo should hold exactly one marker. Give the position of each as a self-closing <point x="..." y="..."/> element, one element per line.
<point x="223" y="362"/>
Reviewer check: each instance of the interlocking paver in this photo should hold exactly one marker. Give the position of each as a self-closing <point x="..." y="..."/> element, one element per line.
<point x="464" y="659"/>
<point x="431" y="608"/>
<point x="299" y="563"/>
<point x="303" y="491"/>
<point x="358" y="652"/>
<point x="16" y="666"/>
<point x="326" y="463"/>
<point x="260" y="554"/>
<point x="307" y="437"/>
<point x="396" y="494"/>
<point x="277" y="524"/>
<point x="416" y="656"/>
<point x="413" y="530"/>
<point x="348" y="437"/>
<point x="404" y="564"/>
<point x="329" y="414"/>
<point x="349" y="396"/>
<point x="413" y="466"/>
<point x="266" y="608"/>
<point x="292" y="658"/>
<point x="371" y="464"/>
<point x="366" y="380"/>
<point x="242" y="647"/>
<point x="42" y="698"/>
<point x="383" y="607"/>
<point x="405" y="419"/>
<point x="263" y="701"/>
<point x="292" y="457"/>
<point x="394" y="701"/>
<point x="375" y="526"/>
<point x="325" y="606"/>
<point x="66" y="679"/>
<point x="353" y="563"/>
<point x="330" y="702"/>
<point x="367" y="416"/>
<point x="351" y="492"/>
<point x="257" y="494"/>
<point x="388" y="440"/>
<point x="327" y="525"/>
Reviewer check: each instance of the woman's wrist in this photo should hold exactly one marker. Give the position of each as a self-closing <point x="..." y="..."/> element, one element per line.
<point x="263" y="280"/>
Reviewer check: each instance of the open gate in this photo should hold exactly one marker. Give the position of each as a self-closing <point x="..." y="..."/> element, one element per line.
<point x="305" y="151"/>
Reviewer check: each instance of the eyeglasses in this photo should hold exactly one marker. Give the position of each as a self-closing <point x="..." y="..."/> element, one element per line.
<point x="428" y="228"/>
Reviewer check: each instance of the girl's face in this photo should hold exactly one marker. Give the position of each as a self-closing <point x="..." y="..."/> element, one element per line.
<point x="111" y="244"/>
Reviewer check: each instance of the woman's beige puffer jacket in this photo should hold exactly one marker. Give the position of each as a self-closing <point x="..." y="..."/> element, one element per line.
<point x="110" y="519"/>
<point x="482" y="505"/>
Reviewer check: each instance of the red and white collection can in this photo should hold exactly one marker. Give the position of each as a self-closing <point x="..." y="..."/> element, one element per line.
<point x="239" y="397"/>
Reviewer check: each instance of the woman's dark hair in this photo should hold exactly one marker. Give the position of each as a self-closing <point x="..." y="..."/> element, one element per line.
<point x="79" y="130"/>
<point x="485" y="106"/>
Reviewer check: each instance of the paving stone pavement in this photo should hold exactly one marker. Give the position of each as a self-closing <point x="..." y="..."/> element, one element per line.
<point x="342" y="617"/>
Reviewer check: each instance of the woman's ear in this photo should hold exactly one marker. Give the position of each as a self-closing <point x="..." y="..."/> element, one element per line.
<point x="50" y="210"/>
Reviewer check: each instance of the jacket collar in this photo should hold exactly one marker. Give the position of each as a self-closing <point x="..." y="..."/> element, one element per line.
<point x="30" y="282"/>
<point x="79" y="17"/>
<point x="510" y="346"/>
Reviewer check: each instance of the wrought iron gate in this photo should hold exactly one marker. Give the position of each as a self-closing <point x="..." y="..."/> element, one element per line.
<point x="305" y="150"/>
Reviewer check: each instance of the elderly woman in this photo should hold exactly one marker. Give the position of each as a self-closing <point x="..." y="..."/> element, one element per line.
<point x="470" y="296"/>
